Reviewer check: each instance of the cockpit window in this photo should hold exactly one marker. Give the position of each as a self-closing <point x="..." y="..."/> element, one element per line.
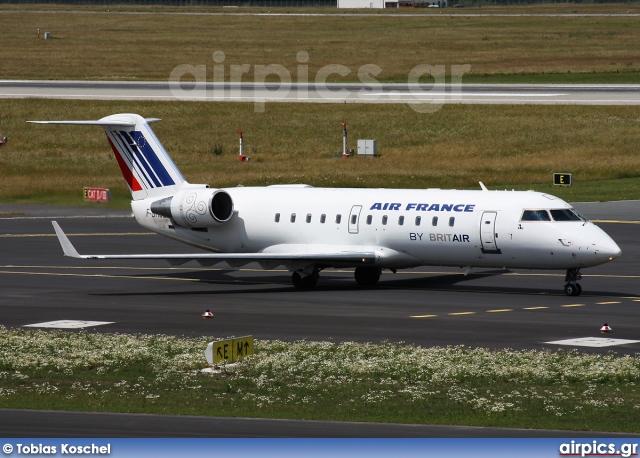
<point x="535" y="215"/>
<point x="580" y="215"/>
<point x="565" y="215"/>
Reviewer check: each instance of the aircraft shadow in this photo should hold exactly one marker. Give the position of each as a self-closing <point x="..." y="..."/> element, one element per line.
<point x="281" y="283"/>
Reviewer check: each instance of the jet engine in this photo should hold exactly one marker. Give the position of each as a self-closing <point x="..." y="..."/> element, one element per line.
<point x="196" y="207"/>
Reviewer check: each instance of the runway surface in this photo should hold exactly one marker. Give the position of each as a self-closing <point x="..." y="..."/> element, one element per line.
<point x="327" y="92"/>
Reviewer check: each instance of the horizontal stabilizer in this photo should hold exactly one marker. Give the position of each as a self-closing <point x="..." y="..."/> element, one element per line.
<point x="105" y="122"/>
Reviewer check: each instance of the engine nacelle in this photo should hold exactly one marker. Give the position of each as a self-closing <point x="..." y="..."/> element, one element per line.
<point x="196" y="207"/>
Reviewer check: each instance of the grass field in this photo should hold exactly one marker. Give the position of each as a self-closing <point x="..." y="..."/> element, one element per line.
<point x="503" y="146"/>
<point x="453" y="148"/>
<point x="321" y="381"/>
<point x="148" y="46"/>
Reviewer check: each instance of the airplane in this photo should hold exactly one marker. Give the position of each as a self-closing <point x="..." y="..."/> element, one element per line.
<point x="308" y="229"/>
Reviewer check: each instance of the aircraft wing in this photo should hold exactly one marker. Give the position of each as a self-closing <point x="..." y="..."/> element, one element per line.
<point x="268" y="260"/>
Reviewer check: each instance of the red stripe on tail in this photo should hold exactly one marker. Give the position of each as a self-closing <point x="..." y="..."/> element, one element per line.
<point x="126" y="172"/>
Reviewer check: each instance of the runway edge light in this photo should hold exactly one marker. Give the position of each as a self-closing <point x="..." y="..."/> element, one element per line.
<point x="606" y="329"/>
<point x="207" y="314"/>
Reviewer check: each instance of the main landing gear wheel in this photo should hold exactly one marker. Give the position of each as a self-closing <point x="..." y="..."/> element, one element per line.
<point x="572" y="287"/>
<point x="367" y="276"/>
<point x="308" y="282"/>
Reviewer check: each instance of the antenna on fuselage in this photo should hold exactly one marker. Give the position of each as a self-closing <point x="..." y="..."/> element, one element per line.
<point x="484" y="188"/>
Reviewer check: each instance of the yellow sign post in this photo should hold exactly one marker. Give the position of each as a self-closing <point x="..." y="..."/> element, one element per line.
<point x="229" y="350"/>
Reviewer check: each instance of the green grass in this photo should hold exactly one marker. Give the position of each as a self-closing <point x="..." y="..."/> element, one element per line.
<point x="623" y="77"/>
<point x="503" y="146"/>
<point x="148" y="45"/>
<point x="517" y="146"/>
<point x="589" y="191"/>
<point x="389" y="382"/>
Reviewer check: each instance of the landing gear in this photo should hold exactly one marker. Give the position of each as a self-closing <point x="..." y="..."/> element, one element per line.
<point x="572" y="287"/>
<point x="306" y="282"/>
<point x="367" y="276"/>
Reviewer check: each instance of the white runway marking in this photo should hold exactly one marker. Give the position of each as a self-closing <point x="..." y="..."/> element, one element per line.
<point x="594" y="342"/>
<point x="68" y="324"/>
<point x="292" y="92"/>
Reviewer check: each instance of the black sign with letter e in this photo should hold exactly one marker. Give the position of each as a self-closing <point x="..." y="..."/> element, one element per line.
<point x="562" y="179"/>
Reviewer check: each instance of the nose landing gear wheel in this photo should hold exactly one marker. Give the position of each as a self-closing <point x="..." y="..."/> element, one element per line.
<point x="571" y="286"/>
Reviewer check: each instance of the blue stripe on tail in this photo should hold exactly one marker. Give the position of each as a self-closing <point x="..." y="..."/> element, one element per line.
<point x="145" y="159"/>
<point x="152" y="158"/>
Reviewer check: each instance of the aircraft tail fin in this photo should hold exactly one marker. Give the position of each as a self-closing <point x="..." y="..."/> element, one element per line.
<point x="145" y="165"/>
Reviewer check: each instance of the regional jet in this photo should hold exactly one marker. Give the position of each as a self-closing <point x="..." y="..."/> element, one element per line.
<point x="308" y="229"/>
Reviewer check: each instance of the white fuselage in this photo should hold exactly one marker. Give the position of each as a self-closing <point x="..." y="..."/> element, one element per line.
<point x="404" y="227"/>
<point x="309" y="229"/>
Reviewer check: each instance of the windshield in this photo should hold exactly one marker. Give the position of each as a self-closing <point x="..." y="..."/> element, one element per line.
<point x="535" y="215"/>
<point x="563" y="214"/>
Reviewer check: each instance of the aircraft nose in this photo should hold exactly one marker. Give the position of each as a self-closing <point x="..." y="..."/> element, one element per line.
<point x="608" y="249"/>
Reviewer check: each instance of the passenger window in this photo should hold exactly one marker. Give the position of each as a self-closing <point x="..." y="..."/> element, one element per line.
<point x="400" y="220"/>
<point x="434" y="221"/>
<point x="277" y="217"/>
<point x="308" y="217"/>
<point x="369" y="218"/>
<point x="384" y="220"/>
<point x="535" y="215"/>
<point x="323" y="218"/>
<point x="418" y="218"/>
<point x="452" y="221"/>
<point x="354" y="219"/>
<point x="293" y="217"/>
<point x="338" y="219"/>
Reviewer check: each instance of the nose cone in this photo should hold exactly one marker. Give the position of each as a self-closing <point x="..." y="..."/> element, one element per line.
<point x="605" y="249"/>
<point x="597" y="247"/>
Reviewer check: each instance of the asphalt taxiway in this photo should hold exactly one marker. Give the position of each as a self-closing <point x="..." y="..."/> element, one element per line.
<point x="426" y="306"/>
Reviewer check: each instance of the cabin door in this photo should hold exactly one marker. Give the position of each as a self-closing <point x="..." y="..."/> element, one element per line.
<point x="354" y="219"/>
<point x="488" y="235"/>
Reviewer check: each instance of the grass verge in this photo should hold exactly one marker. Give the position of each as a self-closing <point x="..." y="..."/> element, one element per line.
<point x="349" y="381"/>
<point x="118" y="45"/>
<point x="503" y="146"/>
